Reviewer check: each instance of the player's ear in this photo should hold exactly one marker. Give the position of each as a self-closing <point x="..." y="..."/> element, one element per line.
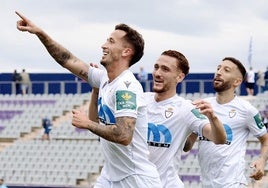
<point x="238" y="81"/>
<point x="180" y="77"/>
<point x="127" y="52"/>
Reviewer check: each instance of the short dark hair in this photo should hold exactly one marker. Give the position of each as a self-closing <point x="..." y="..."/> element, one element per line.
<point x="182" y="64"/>
<point x="135" y="39"/>
<point x="240" y="66"/>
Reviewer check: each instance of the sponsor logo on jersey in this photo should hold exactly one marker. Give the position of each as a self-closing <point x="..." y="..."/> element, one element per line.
<point x="105" y="113"/>
<point x="125" y="100"/>
<point x="158" y="135"/>
<point x="127" y="83"/>
<point x="258" y="121"/>
<point x="229" y="135"/>
<point x="198" y="114"/>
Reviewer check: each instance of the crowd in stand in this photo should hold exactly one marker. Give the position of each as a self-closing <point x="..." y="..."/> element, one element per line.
<point x="22" y="81"/>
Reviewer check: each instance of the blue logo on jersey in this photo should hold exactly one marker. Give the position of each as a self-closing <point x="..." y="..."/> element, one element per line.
<point x="156" y="131"/>
<point x="105" y="114"/>
<point x="229" y="135"/>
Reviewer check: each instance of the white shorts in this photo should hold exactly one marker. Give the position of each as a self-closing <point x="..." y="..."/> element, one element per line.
<point x="24" y="87"/>
<point x="133" y="181"/>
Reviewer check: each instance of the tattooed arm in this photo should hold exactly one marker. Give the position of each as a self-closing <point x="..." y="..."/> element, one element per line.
<point x="93" y="105"/>
<point x="190" y="141"/>
<point x="61" y="55"/>
<point x="121" y="132"/>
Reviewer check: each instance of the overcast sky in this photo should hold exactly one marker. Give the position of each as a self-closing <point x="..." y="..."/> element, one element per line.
<point x="205" y="31"/>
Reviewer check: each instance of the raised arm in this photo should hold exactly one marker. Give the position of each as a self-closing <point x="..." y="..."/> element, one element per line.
<point x="215" y="130"/>
<point x="61" y="55"/>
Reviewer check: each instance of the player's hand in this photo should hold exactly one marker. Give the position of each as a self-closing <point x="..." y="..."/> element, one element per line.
<point x="204" y="107"/>
<point x="257" y="169"/>
<point x="93" y="65"/>
<point x="26" y="25"/>
<point x="80" y="119"/>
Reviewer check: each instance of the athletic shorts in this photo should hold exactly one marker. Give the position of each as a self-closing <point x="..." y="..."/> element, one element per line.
<point x="24" y="87"/>
<point x="133" y="181"/>
<point x="250" y="85"/>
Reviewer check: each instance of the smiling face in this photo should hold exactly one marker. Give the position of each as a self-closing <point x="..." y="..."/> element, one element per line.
<point x="227" y="76"/>
<point x="113" y="48"/>
<point x="166" y="75"/>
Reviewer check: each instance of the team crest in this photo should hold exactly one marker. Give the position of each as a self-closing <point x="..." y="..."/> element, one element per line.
<point x="168" y="112"/>
<point x="232" y="113"/>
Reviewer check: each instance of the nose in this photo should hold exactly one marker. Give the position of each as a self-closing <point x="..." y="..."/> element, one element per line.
<point x="157" y="72"/>
<point x="104" y="45"/>
<point x="219" y="71"/>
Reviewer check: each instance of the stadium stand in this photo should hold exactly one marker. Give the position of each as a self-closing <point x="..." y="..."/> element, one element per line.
<point x="72" y="156"/>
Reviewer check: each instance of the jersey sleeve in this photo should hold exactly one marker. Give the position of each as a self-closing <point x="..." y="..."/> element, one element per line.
<point x="196" y="120"/>
<point x="128" y="98"/>
<point x="254" y="122"/>
<point x="95" y="75"/>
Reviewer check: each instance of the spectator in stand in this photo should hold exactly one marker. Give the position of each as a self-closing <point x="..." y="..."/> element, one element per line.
<point x="266" y="79"/>
<point x="143" y="77"/>
<point x="47" y="125"/>
<point x="17" y="79"/>
<point x="25" y="82"/>
<point x="2" y="185"/>
<point x="260" y="81"/>
<point x="250" y="82"/>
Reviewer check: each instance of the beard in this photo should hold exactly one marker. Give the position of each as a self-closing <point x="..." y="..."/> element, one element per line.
<point x="156" y="90"/>
<point x="103" y="63"/>
<point x="220" y="87"/>
<point x="109" y="59"/>
<point x="160" y="89"/>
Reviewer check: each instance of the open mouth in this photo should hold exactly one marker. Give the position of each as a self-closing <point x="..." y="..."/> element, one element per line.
<point x="217" y="80"/>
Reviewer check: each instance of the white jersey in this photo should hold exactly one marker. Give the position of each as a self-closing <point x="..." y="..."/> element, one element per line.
<point x="224" y="165"/>
<point x="170" y="122"/>
<point x="123" y="97"/>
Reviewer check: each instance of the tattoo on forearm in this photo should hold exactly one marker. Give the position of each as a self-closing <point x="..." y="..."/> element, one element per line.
<point x="125" y="128"/>
<point x="83" y="74"/>
<point x="120" y="132"/>
<point x="59" y="53"/>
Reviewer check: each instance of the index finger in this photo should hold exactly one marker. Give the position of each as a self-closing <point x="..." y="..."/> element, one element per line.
<point x="20" y="15"/>
<point x="74" y="111"/>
